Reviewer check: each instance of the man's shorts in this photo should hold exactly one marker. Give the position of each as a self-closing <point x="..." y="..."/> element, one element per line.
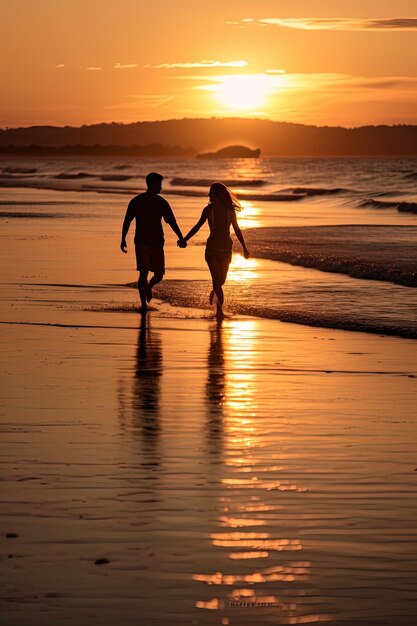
<point x="150" y="259"/>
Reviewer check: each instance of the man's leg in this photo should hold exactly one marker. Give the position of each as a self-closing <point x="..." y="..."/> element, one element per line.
<point x="156" y="278"/>
<point x="143" y="288"/>
<point x="157" y="259"/>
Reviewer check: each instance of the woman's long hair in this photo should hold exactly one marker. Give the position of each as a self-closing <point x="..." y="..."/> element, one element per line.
<point x="222" y="196"/>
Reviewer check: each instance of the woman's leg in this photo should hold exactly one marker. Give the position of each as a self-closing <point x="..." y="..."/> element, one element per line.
<point x="223" y="265"/>
<point x="218" y="266"/>
<point x="213" y="266"/>
<point x="224" y="262"/>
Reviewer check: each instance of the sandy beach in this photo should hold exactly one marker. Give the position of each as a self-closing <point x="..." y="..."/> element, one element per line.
<point x="178" y="471"/>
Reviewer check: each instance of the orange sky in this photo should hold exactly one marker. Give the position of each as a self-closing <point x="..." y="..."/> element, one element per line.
<point x="325" y="62"/>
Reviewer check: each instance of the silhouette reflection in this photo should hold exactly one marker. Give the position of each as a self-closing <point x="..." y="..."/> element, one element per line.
<point x="215" y="389"/>
<point x="147" y="386"/>
<point x="139" y="398"/>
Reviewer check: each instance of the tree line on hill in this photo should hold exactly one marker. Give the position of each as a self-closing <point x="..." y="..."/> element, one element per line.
<point x="188" y="137"/>
<point x="135" y="150"/>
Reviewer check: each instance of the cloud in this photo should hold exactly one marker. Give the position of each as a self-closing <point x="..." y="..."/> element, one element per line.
<point x="395" y="23"/>
<point x="349" y="82"/>
<point x="124" y="66"/>
<point x="93" y="68"/>
<point x="384" y="82"/>
<point x="170" y="66"/>
<point x="335" y="23"/>
<point x="337" y="82"/>
<point x="330" y="83"/>
<point x="149" y="100"/>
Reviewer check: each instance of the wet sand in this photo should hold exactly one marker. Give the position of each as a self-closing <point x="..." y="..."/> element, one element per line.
<point x="182" y="472"/>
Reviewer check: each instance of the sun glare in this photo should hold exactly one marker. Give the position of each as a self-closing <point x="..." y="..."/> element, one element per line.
<point x="243" y="269"/>
<point x="245" y="92"/>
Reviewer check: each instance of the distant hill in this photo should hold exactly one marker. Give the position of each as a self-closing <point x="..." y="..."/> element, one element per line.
<point x="231" y="152"/>
<point x="192" y="136"/>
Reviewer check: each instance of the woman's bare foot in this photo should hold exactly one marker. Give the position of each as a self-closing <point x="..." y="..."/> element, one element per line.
<point x="211" y="297"/>
<point x="149" y="294"/>
<point x="219" y="314"/>
<point x="143" y="309"/>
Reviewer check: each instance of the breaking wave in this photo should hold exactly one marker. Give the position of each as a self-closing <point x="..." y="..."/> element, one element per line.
<point x="75" y="176"/>
<point x="194" y="193"/>
<point x="383" y="253"/>
<point x="315" y="191"/>
<point x="18" y="170"/>
<point x="250" y="300"/>
<point x="402" y="206"/>
<point x="116" y="177"/>
<point x="33" y="215"/>
<point x="206" y="182"/>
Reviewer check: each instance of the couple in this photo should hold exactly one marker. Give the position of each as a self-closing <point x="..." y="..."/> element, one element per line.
<point x="150" y="208"/>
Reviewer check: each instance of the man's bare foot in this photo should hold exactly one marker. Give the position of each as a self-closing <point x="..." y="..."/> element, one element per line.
<point x="211" y="296"/>
<point x="149" y="294"/>
<point x="143" y="309"/>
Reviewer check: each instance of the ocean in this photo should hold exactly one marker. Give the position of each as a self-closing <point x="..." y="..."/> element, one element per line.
<point x="332" y="241"/>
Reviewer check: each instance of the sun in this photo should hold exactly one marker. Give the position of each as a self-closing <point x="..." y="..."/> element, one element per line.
<point x="244" y="92"/>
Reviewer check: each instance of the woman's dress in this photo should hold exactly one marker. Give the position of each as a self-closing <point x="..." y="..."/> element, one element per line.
<point x="219" y="242"/>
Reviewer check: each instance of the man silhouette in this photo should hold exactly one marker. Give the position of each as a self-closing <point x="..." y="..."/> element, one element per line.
<point x="149" y="209"/>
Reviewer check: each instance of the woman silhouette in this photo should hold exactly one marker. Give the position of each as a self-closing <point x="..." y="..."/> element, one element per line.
<point x="220" y="214"/>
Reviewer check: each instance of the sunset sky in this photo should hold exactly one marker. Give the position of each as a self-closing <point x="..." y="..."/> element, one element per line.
<point x="325" y="62"/>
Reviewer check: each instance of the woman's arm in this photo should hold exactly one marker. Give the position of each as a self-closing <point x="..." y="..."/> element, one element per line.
<point x="197" y="227"/>
<point x="239" y="235"/>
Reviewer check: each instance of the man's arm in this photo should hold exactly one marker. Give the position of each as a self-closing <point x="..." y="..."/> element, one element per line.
<point x="176" y="229"/>
<point x="130" y="214"/>
<point x="169" y="217"/>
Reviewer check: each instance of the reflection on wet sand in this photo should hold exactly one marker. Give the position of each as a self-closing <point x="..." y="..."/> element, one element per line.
<point x="215" y="390"/>
<point x="236" y="502"/>
<point x="143" y="410"/>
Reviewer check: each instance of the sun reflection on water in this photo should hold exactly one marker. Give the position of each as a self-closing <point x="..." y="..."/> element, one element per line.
<point x="249" y="217"/>
<point x="252" y="484"/>
<point x="242" y="269"/>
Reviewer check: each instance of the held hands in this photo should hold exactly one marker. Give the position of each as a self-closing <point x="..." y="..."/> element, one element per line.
<point x="181" y="243"/>
<point x="123" y="246"/>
